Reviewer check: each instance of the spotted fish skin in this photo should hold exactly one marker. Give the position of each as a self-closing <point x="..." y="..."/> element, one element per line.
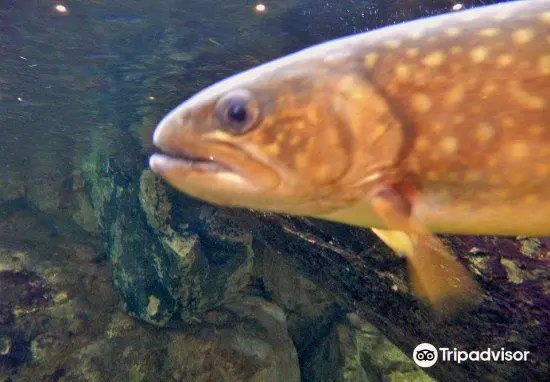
<point x="456" y="103"/>
<point x="436" y="125"/>
<point x="473" y="93"/>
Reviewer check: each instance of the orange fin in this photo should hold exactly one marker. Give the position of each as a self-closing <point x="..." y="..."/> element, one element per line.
<point x="435" y="274"/>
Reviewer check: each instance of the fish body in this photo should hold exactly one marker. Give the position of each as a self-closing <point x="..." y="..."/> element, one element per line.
<point x="436" y="125"/>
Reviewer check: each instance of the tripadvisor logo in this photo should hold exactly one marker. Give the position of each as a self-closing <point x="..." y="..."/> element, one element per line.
<point x="426" y="355"/>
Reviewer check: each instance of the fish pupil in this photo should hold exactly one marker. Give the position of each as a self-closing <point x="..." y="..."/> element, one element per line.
<point x="237" y="113"/>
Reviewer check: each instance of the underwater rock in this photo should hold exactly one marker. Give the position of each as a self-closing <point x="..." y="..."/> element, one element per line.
<point x="210" y="259"/>
<point x="98" y="181"/>
<point x="143" y="130"/>
<point x="83" y="212"/>
<point x="52" y="300"/>
<point x="11" y="186"/>
<point x="242" y="351"/>
<point x="354" y="350"/>
<point x="61" y="320"/>
<point x="254" y="347"/>
<point x="379" y="357"/>
<point x="221" y="263"/>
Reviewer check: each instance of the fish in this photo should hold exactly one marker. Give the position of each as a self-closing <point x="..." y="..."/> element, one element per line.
<point x="435" y="126"/>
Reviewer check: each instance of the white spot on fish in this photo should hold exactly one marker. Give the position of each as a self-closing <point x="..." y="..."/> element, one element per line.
<point x="524" y="98"/>
<point x="392" y="44"/>
<point x="434" y="59"/>
<point x="453" y="32"/>
<point x="272" y="149"/>
<point x="543" y="65"/>
<point x="504" y="60"/>
<point x="455" y="95"/>
<point x="456" y="49"/>
<point x="523" y="36"/>
<point x="421" y="102"/>
<point x="412" y="52"/>
<point x="544" y="17"/>
<point x="402" y="72"/>
<point x="449" y="145"/>
<point x="485" y="132"/>
<point x="489" y="32"/>
<point x="370" y="60"/>
<point x="479" y="54"/>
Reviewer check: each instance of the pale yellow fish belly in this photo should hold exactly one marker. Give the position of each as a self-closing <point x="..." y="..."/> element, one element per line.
<point x="453" y="218"/>
<point x="529" y="219"/>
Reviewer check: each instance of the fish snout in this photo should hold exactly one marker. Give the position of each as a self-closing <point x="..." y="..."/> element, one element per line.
<point x="169" y="131"/>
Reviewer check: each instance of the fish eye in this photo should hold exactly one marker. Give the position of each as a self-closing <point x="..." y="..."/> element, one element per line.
<point x="237" y="111"/>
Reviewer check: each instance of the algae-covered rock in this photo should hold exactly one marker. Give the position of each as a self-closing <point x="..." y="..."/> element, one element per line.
<point x="83" y="213"/>
<point x="155" y="203"/>
<point x="354" y="350"/>
<point x="381" y="359"/>
<point x="232" y="266"/>
<point x="11" y="184"/>
<point x="61" y="320"/>
<point x="98" y="179"/>
<point x="254" y="348"/>
<point x="53" y="300"/>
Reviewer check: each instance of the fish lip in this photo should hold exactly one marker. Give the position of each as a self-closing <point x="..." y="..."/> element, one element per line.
<point x="158" y="160"/>
<point x="183" y="147"/>
<point x="220" y="159"/>
<point x="190" y="156"/>
<point x="191" y="160"/>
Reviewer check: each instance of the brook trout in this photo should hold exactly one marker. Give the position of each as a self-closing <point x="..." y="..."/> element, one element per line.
<point x="440" y="125"/>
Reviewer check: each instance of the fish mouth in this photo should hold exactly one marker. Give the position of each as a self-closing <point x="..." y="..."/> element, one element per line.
<point x="217" y="171"/>
<point x="207" y="165"/>
<point x="187" y="160"/>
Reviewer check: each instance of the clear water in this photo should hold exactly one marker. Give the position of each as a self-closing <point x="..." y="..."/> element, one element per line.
<point x="108" y="274"/>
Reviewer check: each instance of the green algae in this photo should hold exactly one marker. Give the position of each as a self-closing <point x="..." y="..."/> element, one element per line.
<point x="95" y="169"/>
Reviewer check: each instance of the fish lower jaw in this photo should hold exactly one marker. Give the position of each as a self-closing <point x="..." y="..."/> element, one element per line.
<point x="160" y="162"/>
<point x="201" y="176"/>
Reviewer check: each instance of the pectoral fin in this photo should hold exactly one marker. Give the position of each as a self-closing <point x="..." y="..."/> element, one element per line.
<point x="399" y="241"/>
<point x="435" y="273"/>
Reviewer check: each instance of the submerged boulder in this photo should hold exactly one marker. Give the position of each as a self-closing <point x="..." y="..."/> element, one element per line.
<point x="319" y="273"/>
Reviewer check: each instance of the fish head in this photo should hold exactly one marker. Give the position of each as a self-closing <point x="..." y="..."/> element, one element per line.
<point x="281" y="137"/>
